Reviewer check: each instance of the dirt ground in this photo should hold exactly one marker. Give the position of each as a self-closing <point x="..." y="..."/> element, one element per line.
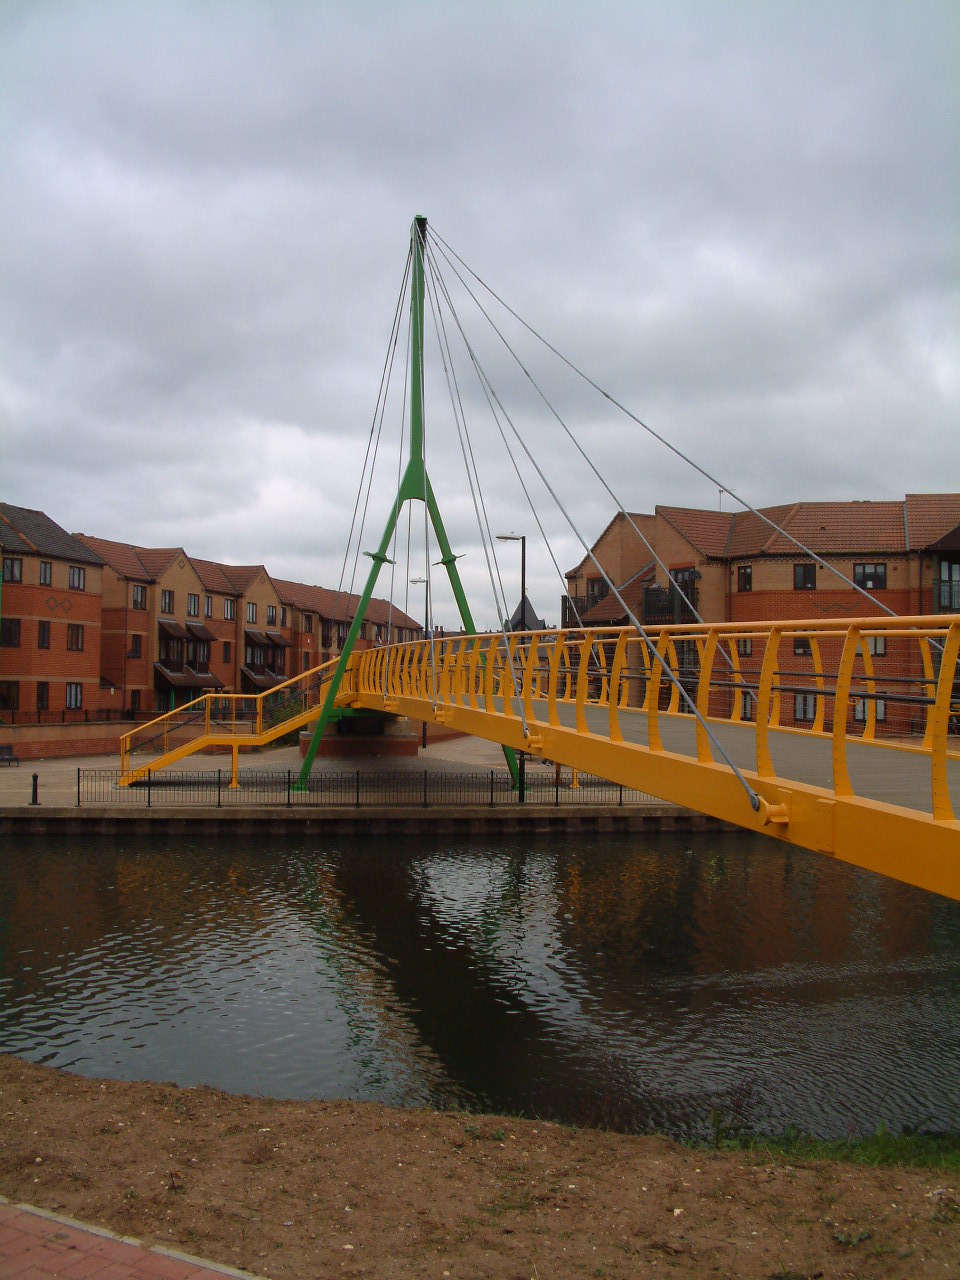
<point x="287" y="1189"/>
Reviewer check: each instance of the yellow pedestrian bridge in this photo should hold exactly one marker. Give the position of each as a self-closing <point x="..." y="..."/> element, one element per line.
<point x="838" y="736"/>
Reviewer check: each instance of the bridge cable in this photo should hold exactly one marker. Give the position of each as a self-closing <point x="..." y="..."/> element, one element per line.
<point x="466" y="446"/>
<point x="635" y="622"/>
<point x="619" y="504"/>
<point x="441" y="283"/>
<point x="373" y="442"/>
<point x="608" y="396"/>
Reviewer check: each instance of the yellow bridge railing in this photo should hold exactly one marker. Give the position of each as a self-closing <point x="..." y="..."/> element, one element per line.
<point x="836" y="735"/>
<point x="831" y="734"/>
<point x="219" y="721"/>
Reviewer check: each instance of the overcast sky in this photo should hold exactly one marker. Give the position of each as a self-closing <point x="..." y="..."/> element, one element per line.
<point x="742" y="220"/>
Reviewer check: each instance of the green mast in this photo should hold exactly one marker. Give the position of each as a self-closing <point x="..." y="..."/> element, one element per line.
<point x="414" y="487"/>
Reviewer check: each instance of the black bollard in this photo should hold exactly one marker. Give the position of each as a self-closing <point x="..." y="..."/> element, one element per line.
<point x="36" y="788"/>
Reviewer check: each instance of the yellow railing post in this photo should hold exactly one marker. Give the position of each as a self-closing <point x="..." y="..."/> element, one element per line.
<point x="942" y="805"/>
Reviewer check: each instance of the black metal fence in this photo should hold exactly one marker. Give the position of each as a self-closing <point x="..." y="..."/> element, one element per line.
<point x="357" y="788"/>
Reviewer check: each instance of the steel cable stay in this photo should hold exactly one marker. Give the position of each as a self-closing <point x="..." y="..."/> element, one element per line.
<point x="476" y="491"/>
<point x="373" y="440"/>
<point x="936" y="646"/>
<point x="437" y="281"/>
<point x="617" y="404"/>
<point x="616" y="500"/>
<point x="510" y="454"/>
<point x="652" y="648"/>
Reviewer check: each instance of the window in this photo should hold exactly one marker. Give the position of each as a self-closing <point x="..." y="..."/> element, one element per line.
<point x="77" y="578"/>
<point x="804" y="577"/>
<point x="308" y="622"/>
<point x="872" y="577"/>
<point x="193" y="605"/>
<point x="139" y="596"/>
<point x="283" y="615"/>
<point x="208" y="606"/>
<point x="860" y="709"/>
<point x="745" y="646"/>
<point x="12" y="569"/>
<point x="74" y="695"/>
<point x="801" y="647"/>
<point x="804" y="707"/>
<point x="199" y="659"/>
<point x="341" y="634"/>
<point x="134" y="701"/>
<point x="9" y="695"/>
<point x="747" y="705"/>
<point x="251" y="611"/>
<point x="745" y="577"/>
<point x="877" y="646"/>
<point x="43" y="634"/>
<point x="271" y="615"/>
<point x="43" y="696"/>
<point x="75" y="636"/>
<point x="166" y="602"/>
<point x="229" y="610"/>
<point x="46" y="573"/>
<point x="10" y="633"/>
<point x="226" y="650"/>
<point x="135" y="646"/>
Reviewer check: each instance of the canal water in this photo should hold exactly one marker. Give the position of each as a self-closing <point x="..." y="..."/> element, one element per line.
<point x="638" y="982"/>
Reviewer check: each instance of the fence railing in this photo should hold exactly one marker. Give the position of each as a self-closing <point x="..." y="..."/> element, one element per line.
<point x="356" y="788"/>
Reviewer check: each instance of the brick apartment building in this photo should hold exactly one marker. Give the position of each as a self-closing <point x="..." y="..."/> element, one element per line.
<point x="735" y="567"/>
<point x="94" y="630"/>
<point x="50" y="622"/>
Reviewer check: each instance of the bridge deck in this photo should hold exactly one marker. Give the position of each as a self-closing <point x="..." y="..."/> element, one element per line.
<point x="873" y="778"/>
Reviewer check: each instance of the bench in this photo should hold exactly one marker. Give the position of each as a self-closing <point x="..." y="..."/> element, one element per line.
<point x="6" y="755"/>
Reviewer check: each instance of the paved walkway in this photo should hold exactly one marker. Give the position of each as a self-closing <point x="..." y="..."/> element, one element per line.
<point x="57" y="778"/>
<point x="36" y="1245"/>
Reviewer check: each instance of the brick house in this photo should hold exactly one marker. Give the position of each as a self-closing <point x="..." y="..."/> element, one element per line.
<point x="734" y="567"/>
<point x="263" y="629"/>
<point x="157" y="647"/>
<point x="50" y="623"/>
<point x="320" y="619"/>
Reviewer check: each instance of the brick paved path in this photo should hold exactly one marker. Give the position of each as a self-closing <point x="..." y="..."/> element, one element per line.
<point x="35" y="1245"/>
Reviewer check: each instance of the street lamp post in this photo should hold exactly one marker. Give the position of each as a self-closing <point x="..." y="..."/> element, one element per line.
<point x="426" y="624"/>
<point x="522" y="539"/>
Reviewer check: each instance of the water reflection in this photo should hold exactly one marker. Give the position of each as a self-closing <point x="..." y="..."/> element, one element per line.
<point x="637" y="982"/>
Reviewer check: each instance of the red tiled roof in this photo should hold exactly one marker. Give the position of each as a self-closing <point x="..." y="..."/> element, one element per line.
<point x="213" y="577"/>
<point x="708" y="531"/>
<point x="749" y="534"/>
<point x="340" y="606"/>
<point x="842" y="528"/>
<point x="930" y="517"/>
<point x="120" y="556"/>
<point x="241" y="575"/>
<point x="156" y="559"/>
<point x="826" y="528"/>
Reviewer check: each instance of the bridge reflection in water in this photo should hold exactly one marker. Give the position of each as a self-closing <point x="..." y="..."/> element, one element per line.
<point x="637" y="983"/>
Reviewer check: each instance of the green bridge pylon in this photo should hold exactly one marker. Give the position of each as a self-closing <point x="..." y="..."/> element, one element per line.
<point x="415" y="486"/>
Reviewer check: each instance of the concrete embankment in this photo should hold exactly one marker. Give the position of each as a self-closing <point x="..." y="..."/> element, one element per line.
<point x="44" y="796"/>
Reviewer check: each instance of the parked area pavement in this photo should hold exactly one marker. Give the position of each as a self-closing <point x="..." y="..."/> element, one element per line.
<point x="37" y="1245"/>
<point x="57" y="778"/>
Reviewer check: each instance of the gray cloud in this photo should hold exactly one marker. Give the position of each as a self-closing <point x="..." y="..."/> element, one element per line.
<point x="741" y="220"/>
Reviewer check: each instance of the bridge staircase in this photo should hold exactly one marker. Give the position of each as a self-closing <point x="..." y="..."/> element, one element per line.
<point x="229" y="722"/>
